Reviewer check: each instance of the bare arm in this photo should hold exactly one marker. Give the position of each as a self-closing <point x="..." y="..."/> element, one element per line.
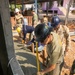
<point x="49" y="69"/>
<point x="18" y="17"/>
<point x="67" y="37"/>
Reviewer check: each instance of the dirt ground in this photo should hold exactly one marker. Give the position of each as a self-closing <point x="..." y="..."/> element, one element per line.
<point x="69" y="58"/>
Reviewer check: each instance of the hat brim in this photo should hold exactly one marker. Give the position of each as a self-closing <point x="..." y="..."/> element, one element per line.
<point x="39" y="39"/>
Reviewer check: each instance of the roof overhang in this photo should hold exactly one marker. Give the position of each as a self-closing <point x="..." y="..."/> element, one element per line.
<point x="28" y="1"/>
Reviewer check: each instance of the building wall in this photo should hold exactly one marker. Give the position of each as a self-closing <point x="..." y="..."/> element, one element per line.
<point x="44" y="6"/>
<point x="65" y="3"/>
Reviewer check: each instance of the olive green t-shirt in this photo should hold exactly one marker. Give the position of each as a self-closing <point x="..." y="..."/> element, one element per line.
<point x="35" y="17"/>
<point x="54" y="49"/>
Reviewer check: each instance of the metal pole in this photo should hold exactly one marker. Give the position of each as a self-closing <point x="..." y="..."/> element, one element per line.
<point x="22" y="7"/>
<point x="47" y="7"/>
<point x="15" y="3"/>
<point x="37" y="58"/>
<point x="35" y="6"/>
<point x="8" y="62"/>
<point x="66" y="18"/>
<point x="22" y="4"/>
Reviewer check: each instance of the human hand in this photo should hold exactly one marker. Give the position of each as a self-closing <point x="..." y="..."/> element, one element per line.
<point x="40" y="73"/>
<point x="21" y="16"/>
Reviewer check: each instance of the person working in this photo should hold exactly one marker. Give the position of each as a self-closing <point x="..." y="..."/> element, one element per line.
<point x="26" y="29"/>
<point x="63" y="32"/>
<point x="18" y="20"/>
<point x="47" y="37"/>
<point x="34" y="19"/>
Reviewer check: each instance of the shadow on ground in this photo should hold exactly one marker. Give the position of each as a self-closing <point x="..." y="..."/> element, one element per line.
<point x="28" y="62"/>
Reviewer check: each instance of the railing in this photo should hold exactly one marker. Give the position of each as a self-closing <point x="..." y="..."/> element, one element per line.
<point x="29" y="18"/>
<point x="73" y="5"/>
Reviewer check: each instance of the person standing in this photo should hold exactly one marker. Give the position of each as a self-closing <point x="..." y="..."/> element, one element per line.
<point x="34" y="19"/>
<point x="18" y="18"/>
<point x="19" y="21"/>
<point x="63" y="32"/>
<point x="45" y="20"/>
<point x="47" y="37"/>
